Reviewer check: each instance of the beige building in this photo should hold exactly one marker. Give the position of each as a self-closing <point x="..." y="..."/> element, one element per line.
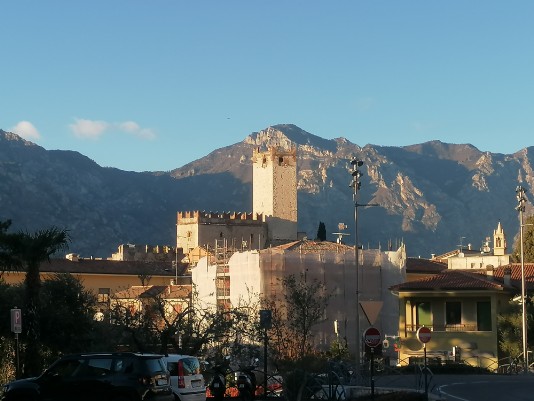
<point x="174" y="298"/>
<point x="107" y="277"/>
<point x="274" y="195"/>
<point x="207" y="229"/>
<point x="147" y="253"/>
<point x="272" y="221"/>
<point x="248" y="275"/>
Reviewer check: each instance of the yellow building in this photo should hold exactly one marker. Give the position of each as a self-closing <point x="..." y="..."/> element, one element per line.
<point x="460" y="307"/>
<point x="106" y="277"/>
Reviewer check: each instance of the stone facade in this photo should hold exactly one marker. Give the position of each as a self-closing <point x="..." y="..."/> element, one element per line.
<point x="274" y="194"/>
<point x="234" y="230"/>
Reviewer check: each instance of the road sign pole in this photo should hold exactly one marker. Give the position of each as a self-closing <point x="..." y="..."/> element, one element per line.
<point x="426" y="381"/>
<point x="372" y="373"/>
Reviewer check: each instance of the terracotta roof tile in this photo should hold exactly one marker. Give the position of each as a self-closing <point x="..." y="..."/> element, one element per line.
<point x="419" y="265"/>
<point x="105" y="266"/>
<point x="310" y="246"/>
<point x="151" y="291"/>
<point x="450" y="280"/>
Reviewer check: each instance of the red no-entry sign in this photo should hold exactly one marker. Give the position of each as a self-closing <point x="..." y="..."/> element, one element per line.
<point x="424" y="334"/>
<point x="372" y="337"/>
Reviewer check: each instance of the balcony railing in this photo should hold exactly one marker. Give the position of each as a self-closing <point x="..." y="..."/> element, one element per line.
<point x="461" y="327"/>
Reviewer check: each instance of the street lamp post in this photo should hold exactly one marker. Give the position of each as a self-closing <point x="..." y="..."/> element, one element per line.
<point x="356" y="185"/>
<point x="521" y="199"/>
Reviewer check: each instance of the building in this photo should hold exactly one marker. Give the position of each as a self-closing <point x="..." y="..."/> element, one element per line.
<point x="274" y="211"/>
<point x="274" y="192"/>
<point x="460" y="307"/>
<point x="147" y="253"/>
<point x="174" y="298"/>
<point x="107" y="277"/>
<point x="207" y="229"/>
<point x="237" y="277"/>
<point x="468" y="258"/>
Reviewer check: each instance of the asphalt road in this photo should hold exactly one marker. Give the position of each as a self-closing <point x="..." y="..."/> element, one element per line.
<point x="467" y="387"/>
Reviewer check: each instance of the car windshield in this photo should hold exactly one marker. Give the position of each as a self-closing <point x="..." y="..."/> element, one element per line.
<point x="155" y="365"/>
<point x="190" y="366"/>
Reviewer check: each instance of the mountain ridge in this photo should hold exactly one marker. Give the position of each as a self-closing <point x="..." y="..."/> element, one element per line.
<point x="431" y="195"/>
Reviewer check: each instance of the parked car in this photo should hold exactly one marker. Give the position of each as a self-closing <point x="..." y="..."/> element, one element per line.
<point x="122" y="376"/>
<point x="187" y="381"/>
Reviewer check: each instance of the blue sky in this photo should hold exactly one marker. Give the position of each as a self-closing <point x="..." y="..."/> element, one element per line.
<point x="154" y="85"/>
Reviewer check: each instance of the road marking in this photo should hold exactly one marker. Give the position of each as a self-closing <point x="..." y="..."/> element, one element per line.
<point x="440" y="388"/>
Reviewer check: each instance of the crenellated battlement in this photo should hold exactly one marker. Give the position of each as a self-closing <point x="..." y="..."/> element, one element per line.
<point x="196" y="216"/>
<point x="274" y="153"/>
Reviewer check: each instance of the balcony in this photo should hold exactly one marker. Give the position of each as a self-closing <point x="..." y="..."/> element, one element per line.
<point x="456" y="328"/>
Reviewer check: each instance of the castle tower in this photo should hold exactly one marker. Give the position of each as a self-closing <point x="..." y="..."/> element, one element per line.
<point x="499" y="241"/>
<point x="274" y="193"/>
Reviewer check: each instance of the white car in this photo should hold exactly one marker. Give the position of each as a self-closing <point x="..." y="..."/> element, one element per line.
<point x="187" y="381"/>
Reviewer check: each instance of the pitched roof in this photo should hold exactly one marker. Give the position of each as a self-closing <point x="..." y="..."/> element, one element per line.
<point x="420" y="265"/>
<point x="106" y="266"/>
<point x="310" y="246"/>
<point x="459" y="279"/>
<point x="450" y="280"/>
<point x="515" y="276"/>
<point x="151" y="291"/>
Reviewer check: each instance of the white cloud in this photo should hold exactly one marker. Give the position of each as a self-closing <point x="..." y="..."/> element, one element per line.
<point x="93" y="129"/>
<point x="133" y="128"/>
<point x="88" y="129"/>
<point x="26" y="130"/>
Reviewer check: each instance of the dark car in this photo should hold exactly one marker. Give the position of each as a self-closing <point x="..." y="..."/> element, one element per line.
<point x="122" y="376"/>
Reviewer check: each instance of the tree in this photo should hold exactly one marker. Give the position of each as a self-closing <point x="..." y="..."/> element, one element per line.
<point x="295" y="316"/>
<point x="510" y="326"/>
<point x="158" y="324"/>
<point x="67" y="316"/>
<point x="528" y="243"/>
<point x="28" y="251"/>
<point x="321" y="232"/>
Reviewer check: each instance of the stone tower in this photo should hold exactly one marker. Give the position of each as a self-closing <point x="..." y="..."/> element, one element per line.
<point x="499" y="241"/>
<point x="274" y="193"/>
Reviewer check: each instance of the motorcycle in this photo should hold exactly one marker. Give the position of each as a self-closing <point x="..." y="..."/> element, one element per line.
<point x="217" y="384"/>
<point x="246" y="382"/>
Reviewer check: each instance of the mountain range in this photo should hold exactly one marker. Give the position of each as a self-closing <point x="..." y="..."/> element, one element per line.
<point x="433" y="197"/>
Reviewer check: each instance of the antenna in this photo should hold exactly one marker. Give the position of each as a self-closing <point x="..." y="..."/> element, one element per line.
<point x="340" y="234"/>
<point x="461" y="244"/>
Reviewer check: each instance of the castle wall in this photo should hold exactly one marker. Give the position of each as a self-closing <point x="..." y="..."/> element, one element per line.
<point x="240" y="230"/>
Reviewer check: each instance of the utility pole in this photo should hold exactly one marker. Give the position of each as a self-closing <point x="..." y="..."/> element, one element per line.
<point x="356" y="185"/>
<point x="521" y="199"/>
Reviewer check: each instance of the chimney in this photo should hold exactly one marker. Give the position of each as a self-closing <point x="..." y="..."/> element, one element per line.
<point x="489" y="271"/>
<point x="507" y="275"/>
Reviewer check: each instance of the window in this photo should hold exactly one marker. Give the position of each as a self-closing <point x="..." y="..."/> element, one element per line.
<point x="103" y="295"/>
<point x="424" y="314"/>
<point x="484" y="316"/>
<point x="453" y="313"/>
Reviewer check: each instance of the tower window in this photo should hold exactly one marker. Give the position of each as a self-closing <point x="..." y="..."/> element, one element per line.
<point x="280" y="160"/>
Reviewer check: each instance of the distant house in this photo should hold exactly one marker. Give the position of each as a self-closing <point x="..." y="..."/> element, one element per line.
<point x="460" y="307"/>
<point x="488" y="255"/>
<point x="106" y="277"/>
<point x="174" y="298"/>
